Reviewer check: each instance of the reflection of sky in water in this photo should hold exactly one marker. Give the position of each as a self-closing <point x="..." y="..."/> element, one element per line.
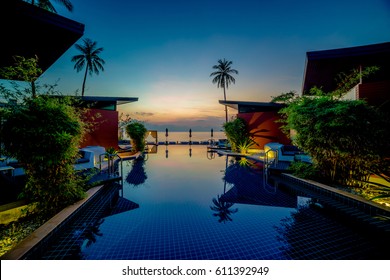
<point x="179" y="177"/>
<point x="184" y="213"/>
<point x="175" y="220"/>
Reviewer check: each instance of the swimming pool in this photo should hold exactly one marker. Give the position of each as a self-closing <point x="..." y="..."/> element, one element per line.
<point x="182" y="203"/>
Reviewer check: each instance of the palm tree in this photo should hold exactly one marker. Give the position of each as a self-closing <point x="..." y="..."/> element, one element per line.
<point x="89" y="57"/>
<point x="47" y="5"/>
<point x="223" y="77"/>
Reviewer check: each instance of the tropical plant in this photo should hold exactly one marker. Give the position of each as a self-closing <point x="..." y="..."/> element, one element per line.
<point x="237" y="134"/>
<point x="223" y="77"/>
<point x="47" y="5"/>
<point x="303" y="170"/>
<point x="24" y="69"/>
<point x="88" y="58"/>
<point x="136" y="131"/>
<point x="347" y="139"/>
<point x="44" y="134"/>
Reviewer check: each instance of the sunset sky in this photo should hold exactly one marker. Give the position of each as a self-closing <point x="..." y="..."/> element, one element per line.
<point x="163" y="51"/>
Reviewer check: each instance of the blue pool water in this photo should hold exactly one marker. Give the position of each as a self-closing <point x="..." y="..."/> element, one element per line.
<point x="184" y="203"/>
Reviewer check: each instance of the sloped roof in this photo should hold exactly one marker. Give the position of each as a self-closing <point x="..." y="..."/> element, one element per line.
<point x="261" y="106"/>
<point x="29" y="31"/>
<point x="323" y="67"/>
<point x="110" y="99"/>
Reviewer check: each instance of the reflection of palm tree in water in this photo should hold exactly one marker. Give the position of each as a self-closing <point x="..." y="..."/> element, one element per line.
<point x="137" y="174"/>
<point x="90" y="234"/>
<point x="86" y="236"/>
<point x="223" y="209"/>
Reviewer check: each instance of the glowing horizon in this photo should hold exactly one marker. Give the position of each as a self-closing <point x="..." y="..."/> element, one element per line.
<point x="163" y="53"/>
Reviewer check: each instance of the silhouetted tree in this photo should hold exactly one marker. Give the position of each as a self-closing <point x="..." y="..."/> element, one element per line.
<point x="223" y="77"/>
<point x="89" y="58"/>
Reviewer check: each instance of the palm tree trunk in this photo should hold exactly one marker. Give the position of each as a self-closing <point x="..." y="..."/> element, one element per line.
<point x="224" y="96"/>
<point x="85" y="78"/>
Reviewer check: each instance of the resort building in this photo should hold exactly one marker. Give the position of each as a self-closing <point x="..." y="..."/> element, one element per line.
<point x="105" y="125"/>
<point x="34" y="32"/>
<point x="262" y="120"/>
<point x="321" y="70"/>
<point x="323" y="67"/>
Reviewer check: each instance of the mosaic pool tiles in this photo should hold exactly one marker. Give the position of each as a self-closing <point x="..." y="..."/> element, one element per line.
<point x="166" y="217"/>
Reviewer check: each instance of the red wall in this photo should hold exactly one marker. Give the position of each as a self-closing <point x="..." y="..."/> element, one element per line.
<point x="104" y="129"/>
<point x="264" y="128"/>
<point x="376" y="94"/>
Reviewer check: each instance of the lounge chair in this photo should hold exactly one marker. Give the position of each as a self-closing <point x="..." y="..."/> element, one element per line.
<point x="86" y="160"/>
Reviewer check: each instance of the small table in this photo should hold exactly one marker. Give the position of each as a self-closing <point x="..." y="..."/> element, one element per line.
<point x="7" y="169"/>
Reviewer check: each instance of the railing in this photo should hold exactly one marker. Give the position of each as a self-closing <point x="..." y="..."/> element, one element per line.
<point x="112" y="165"/>
<point x="268" y="162"/>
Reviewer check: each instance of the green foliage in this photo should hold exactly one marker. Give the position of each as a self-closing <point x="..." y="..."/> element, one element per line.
<point x="284" y="97"/>
<point x="24" y="69"/>
<point x="136" y="131"/>
<point x="303" y="170"/>
<point x="346" y="81"/>
<point x="346" y="139"/>
<point x="111" y="151"/>
<point x="238" y="135"/>
<point x="377" y="191"/>
<point x="44" y="134"/>
<point x="11" y="234"/>
<point x="245" y="145"/>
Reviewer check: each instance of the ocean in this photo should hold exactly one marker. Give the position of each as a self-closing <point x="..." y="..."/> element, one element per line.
<point x="183" y="136"/>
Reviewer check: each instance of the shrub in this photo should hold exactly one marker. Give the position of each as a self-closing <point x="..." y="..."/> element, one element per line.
<point x="303" y="170"/>
<point x="136" y="131"/>
<point x="238" y="135"/>
<point x="346" y="139"/>
<point x="44" y="134"/>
